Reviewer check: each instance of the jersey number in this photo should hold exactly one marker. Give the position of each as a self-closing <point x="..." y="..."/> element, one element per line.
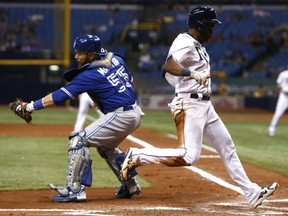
<point x="201" y="54"/>
<point x="119" y="79"/>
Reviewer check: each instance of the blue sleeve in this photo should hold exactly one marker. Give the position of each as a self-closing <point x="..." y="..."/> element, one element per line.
<point x="61" y="95"/>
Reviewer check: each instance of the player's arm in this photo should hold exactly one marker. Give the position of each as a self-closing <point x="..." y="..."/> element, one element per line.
<point x="42" y="103"/>
<point x="282" y="87"/>
<point x="173" y="67"/>
<point x="52" y="99"/>
<point x="48" y="101"/>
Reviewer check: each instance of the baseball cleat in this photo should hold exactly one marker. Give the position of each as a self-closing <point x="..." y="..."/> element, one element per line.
<point x="271" y="131"/>
<point x="122" y="193"/>
<point x="67" y="195"/>
<point x="265" y="193"/>
<point x="61" y="190"/>
<point x="127" y="165"/>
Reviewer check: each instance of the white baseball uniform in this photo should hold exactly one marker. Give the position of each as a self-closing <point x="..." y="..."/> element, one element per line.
<point x="282" y="102"/>
<point x="85" y="103"/>
<point x="200" y="120"/>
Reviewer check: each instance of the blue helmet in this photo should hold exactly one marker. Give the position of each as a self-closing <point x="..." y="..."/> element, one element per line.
<point x="89" y="43"/>
<point x="199" y="16"/>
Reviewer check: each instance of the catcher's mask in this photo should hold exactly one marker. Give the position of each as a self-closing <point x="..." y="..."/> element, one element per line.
<point x="200" y="16"/>
<point x="89" y="43"/>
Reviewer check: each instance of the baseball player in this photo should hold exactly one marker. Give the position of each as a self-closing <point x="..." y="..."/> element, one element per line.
<point x="107" y="80"/>
<point x="188" y="71"/>
<point x="85" y="103"/>
<point x="282" y="102"/>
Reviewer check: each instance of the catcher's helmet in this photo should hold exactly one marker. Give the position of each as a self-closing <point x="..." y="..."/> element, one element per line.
<point x="199" y="16"/>
<point x="89" y="43"/>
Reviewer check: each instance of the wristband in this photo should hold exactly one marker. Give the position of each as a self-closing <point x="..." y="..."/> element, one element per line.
<point x="30" y="106"/>
<point x="38" y="104"/>
<point x="185" y="72"/>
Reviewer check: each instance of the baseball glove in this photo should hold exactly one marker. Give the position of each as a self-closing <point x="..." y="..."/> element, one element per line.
<point x="19" y="108"/>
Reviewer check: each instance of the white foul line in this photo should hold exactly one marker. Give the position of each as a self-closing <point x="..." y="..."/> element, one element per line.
<point x="94" y="212"/>
<point x="215" y="179"/>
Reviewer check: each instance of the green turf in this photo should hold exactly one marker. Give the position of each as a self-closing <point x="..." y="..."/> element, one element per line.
<point x="256" y="147"/>
<point x="33" y="162"/>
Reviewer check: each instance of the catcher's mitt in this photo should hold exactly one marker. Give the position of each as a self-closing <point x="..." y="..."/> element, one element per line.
<point x="19" y="108"/>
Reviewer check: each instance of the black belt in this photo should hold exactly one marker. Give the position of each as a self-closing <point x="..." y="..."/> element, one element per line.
<point x="196" y="96"/>
<point x="127" y="108"/>
<point x="124" y="108"/>
<point x="204" y="97"/>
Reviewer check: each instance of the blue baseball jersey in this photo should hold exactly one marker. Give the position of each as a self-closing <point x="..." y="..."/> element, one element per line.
<point x="107" y="81"/>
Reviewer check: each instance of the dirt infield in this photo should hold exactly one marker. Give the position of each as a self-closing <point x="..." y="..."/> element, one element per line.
<point x="176" y="191"/>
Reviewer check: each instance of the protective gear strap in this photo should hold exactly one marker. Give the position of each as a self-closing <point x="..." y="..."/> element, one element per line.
<point x="105" y="62"/>
<point x="70" y="74"/>
<point x="109" y="156"/>
<point x="87" y="176"/>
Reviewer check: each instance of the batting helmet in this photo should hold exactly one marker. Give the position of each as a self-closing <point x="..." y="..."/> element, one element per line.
<point x="199" y="16"/>
<point x="89" y="43"/>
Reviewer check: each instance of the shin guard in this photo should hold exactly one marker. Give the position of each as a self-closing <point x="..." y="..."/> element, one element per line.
<point x="79" y="170"/>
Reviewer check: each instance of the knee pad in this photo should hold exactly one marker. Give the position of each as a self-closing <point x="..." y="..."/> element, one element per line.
<point x="77" y="139"/>
<point x="79" y="164"/>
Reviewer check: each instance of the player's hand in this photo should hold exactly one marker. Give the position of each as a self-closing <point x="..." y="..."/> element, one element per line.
<point x="201" y="78"/>
<point x="20" y="109"/>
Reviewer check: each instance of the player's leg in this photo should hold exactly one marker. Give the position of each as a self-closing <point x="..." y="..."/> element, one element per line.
<point x="114" y="158"/>
<point x="79" y="172"/>
<point x="84" y="105"/>
<point x="189" y="130"/>
<point x="167" y="156"/>
<point x="281" y="106"/>
<point x="218" y="136"/>
<point x="106" y="134"/>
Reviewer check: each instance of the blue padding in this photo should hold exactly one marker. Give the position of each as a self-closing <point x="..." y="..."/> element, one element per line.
<point x="87" y="176"/>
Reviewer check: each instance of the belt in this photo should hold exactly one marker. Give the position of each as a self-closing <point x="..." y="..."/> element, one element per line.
<point x="204" y="97"/>
<point x="126" y="108"/>
<point x="196" y="96"/>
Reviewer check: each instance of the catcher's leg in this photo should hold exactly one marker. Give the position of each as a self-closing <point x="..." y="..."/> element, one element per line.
<point x="79" y="172"/>
<point x="114" y="158"/>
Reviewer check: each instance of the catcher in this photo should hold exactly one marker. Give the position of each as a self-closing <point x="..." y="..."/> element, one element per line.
<point x="106" y="78"/>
